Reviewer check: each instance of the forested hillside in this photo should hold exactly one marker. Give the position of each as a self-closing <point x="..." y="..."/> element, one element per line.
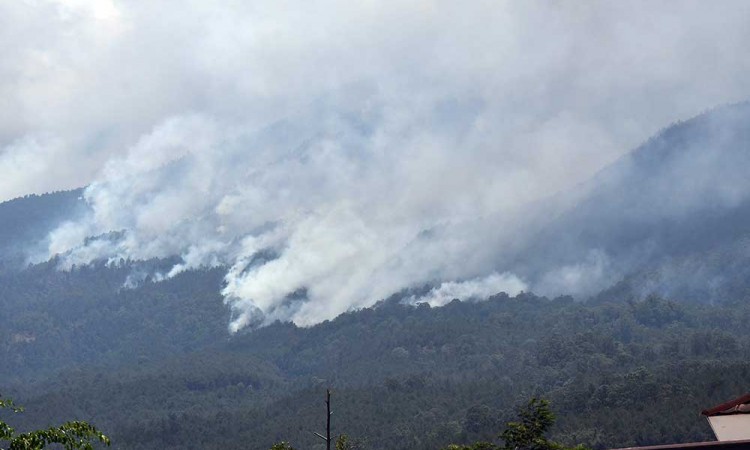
<point x="25" y="223"/>
<point x="672" y="217"/>
<point x="618" y="371"/>
<point x="66" y="318"/>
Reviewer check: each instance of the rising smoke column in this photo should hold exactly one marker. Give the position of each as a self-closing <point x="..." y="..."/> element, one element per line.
<point x="333" y="153"/>
<point x="347" y="221"/>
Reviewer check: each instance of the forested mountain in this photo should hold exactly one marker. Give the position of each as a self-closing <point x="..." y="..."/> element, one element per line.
<point x="672" y="217"/>
<point x="25" y="223"/>
<point x="659" y="239"/>
<point x="65" y="318"/>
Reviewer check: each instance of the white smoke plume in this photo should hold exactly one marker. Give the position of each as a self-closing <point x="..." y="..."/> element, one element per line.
<point x="590" y="275"/>
<point x="362" y="147"/>
<point x="478" y="288"/>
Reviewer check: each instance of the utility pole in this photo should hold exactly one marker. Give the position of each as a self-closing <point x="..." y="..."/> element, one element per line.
<point x="327" y="437"/>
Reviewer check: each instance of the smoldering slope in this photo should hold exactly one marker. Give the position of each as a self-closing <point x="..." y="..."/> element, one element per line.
<point x="324" y="207"/>
<point x="344" y="150"/>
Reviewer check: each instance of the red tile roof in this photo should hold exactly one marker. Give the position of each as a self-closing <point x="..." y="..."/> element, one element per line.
<point x="715" y="445"/>
<point x="737" y="406"/>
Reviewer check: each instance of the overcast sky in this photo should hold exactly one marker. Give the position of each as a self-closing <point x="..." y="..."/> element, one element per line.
<point x="299" y="125"/>
<point x="82" y="80"/>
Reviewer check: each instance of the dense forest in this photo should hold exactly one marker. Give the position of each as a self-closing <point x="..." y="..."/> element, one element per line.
<point x="618" y="370"/>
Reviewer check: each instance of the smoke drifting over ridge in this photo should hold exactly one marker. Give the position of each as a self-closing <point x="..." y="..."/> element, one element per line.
<point x="362" y="148"/>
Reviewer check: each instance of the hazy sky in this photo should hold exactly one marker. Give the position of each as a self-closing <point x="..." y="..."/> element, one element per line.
<point x="354" y="138"/>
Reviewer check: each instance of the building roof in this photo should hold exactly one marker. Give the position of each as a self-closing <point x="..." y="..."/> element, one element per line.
<point x="740" y="405"/>
<point x="714" y="445"/>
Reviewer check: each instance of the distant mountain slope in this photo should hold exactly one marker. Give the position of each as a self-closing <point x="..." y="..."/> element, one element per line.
<point x="25" y="223"/>
<point x="673" y="215"/>
<point x="58" y="319"/>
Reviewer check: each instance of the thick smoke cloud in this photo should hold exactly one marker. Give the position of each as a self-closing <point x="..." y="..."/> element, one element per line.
<point x="332" y="153"/>
<point x="479" y="288"/>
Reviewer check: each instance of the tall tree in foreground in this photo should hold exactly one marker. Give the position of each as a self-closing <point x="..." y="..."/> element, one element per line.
<point x="71" y="435"/>
<point x="534" y="420"/>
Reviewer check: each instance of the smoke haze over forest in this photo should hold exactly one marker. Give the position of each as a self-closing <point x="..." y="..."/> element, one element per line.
<point x="331" y="153"/>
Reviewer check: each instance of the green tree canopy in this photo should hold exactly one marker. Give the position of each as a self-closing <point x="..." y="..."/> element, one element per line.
<point x="282" y="446"/>
<point x="527" y="433"/>
<point x="73" y="435"/>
